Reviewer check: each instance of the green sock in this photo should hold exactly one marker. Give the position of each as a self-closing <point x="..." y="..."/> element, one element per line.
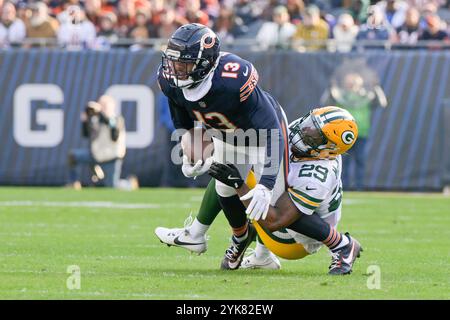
<point x="210" y="206"/>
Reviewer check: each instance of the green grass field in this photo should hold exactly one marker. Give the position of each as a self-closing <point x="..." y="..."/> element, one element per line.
<point x="109" y="235"/>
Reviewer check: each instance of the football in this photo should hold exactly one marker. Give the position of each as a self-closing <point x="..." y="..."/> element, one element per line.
<point x="197" y="145"/>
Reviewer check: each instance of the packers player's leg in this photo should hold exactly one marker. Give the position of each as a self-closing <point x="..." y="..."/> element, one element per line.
<point x="344" y="249"/>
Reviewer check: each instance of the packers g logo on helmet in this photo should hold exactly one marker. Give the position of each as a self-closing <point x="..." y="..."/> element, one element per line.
<point x="348" y="137"/>
<point x="339" y="127"/>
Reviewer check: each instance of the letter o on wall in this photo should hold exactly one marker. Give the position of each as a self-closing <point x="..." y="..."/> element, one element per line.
<point x="145" y="112"/>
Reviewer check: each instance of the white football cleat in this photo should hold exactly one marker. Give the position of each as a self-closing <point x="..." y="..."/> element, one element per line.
<point x="253" y="262"/>
<point x="180" y="237"/>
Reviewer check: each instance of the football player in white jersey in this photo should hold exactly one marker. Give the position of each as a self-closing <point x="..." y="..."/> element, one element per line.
<point x="306" y="216"/>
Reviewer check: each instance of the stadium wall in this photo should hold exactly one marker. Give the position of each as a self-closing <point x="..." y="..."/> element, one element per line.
<point x="43" y="92"/>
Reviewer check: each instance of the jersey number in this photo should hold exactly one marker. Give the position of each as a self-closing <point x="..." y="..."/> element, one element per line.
<point x="310" y="170"/>
<point x="220" y="118"/>
<point x="231" y="69"/>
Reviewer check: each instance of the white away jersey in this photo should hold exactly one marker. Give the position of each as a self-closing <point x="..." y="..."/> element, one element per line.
<point x="315" y="185"/>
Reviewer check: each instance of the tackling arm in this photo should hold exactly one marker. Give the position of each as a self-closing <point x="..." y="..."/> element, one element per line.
<point x="283" y="214"/>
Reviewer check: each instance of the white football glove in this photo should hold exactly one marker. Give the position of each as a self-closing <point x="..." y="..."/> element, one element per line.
<point x="259" y="206"/>
<point x="192" y="171"/>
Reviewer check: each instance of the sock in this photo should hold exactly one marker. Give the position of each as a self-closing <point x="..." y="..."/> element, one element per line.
<point x="240" y="234"/>
<point x="197" y="229"/>
<point x="210" y="207"/>
<point x="261" y="252"/>
<point x="335" y="240"/>
<point x="234" y="211"/>
<point x="316" y="228"/>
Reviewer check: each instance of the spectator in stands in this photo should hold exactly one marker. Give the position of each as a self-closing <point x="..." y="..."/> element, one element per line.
<point x="409" y="32"/>
<point x="344" y="34"/>
<point x="192" y="13"/>
<point x="434" y="30"/>
<point x="394" y="11"/>
<point x="249" y="11"/>
<point x="12" y="29"/>
<point x="143" y="30"/>
<point x="107" y="34"/>
<point x="376" y="28"/>
<point x="227" y="26"/>
<point x="425" y="10"/>
<point x="358" y="10"/>
<point x="276" y="33"/>
<point x="41" y="25"/>
<point x="75" y="32"/>
<point x="65" y="4"/>
<point x="295" y="9"/>
<point x="313" y="30"/>
<point x="93" y="10"/>
<point x="425" y="5"/>
<point x="106" y="133"/>
<point x="168" y="25"/>
<point x="157" y="8"/>
<point x="23" y="12"/>
<point x="212" y="9"/>
<point x="269" y="7"/>
<point x="126" y="16"/>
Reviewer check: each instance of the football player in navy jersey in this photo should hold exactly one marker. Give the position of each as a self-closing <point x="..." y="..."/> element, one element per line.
<point x="221" y="91"/>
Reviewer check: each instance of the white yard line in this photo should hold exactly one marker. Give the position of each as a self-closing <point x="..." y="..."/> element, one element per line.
<point x="90" y="204"/>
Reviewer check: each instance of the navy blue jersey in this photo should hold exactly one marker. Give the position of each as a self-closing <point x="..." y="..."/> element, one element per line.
<point x="234" y="101"/>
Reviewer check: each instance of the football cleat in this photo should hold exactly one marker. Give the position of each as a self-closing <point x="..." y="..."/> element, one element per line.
<point x="180" y="237"/>
<point x="235" y="253"/>
<point x="253" y="262"/>
<point x="342" y="260"/>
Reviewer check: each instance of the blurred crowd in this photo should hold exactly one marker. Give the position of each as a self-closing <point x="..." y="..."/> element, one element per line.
<point x="304" y="25"/>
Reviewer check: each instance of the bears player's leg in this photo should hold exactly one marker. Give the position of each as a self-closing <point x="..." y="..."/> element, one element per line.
<point x="234" y="211"/>
<point x="193" y="235"/>
<point x="210" y="206"/>
<point x="209" y="209"/>
<point x="243" y="232"/>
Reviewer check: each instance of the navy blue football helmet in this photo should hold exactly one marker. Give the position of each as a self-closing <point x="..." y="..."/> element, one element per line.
<point x="190" y="55"/>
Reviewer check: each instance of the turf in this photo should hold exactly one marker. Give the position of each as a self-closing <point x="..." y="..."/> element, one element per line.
<point x="109" y="235"/>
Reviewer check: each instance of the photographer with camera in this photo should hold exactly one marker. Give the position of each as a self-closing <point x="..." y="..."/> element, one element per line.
<point x="106" y="133"/>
